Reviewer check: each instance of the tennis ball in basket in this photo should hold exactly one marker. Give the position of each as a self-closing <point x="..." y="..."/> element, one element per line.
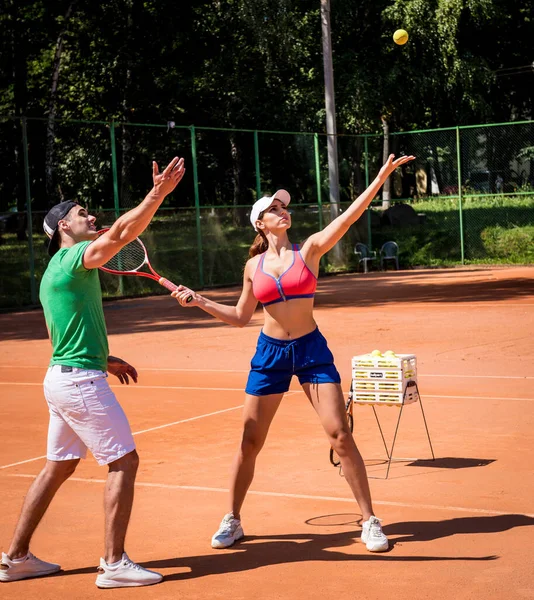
<point x="390" y="353"/>
<point x="376" y="353"/>
<point x="400" y="37"/>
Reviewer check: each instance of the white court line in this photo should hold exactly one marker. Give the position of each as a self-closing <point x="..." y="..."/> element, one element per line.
<point x="196" y="488"/>
<point x="22" y="462"/>
<point x="479" y="397"/>
<point x="45" y="367"/>
<point x="494" y="304"/>
<point x="217" y="389"/>
<point x="145" y="387"/>
<point x="194" y="370"/>
<point x="218" y="412"/>
<point x="139" y="432"/>
<point x="477" y="376"/>
<point x="485" y="398"/>
<point x="156" y="369"/>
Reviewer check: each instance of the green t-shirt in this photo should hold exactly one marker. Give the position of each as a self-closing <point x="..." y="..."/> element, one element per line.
<point x="72" y="301"/>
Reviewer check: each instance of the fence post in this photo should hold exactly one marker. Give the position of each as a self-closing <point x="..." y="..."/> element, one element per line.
<point x="257" y="165"/>
<point x="115" y="177"/>
<point x="460" y="193"/>
<point x="114" y="170"/>
<point x="366" y="162"/>
<point x="197" y="205"/>
<point x="318" y="178"/>
<point x="33" y="284"/>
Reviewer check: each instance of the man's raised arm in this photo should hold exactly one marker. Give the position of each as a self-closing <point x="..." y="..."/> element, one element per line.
<point x="131" y="224"/>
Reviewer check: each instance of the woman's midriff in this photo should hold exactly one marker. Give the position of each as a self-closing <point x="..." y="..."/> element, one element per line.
<point x="289" y="320"/>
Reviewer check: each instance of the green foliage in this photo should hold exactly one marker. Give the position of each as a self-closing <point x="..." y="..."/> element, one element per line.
<point x="514" y="245"/>
<point x="257" y="64"/>
<point x="495" y="229"/>
<point x="449" y="82"/>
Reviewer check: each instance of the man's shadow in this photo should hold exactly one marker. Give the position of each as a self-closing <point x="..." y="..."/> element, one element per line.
<point x="256" y="551"/>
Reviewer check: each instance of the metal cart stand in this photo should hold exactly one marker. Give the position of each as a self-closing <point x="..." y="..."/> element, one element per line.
<point x="386" y="380"/>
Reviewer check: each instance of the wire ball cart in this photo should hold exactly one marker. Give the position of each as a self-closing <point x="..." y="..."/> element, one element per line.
<point x="387" y="379"/>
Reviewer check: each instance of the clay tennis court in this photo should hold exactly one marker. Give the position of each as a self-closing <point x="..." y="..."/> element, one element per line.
<point x="461" y="526"/>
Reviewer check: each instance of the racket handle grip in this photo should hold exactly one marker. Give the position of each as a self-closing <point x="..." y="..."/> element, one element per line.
<point x="171" y="286"/>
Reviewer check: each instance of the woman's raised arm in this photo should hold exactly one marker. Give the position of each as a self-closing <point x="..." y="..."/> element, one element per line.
<point x="321" y="242"/>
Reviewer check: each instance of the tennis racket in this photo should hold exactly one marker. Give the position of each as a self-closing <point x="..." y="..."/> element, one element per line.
<point x="334" y="457"/>
<point x="131" y="259"/>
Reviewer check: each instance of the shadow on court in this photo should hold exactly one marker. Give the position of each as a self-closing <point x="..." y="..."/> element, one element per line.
<point x="254" y="552"/>
<point x="162" y="313"/>
<point x="451" y="462"/>
<point x="152" y="314"/>
<point x="409" y="287"/>
<point x="377" y="466"/>
<point x="424" y="531"/>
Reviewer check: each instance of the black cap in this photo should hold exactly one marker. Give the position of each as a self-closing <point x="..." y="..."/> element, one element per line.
<point x="53" y="217"/>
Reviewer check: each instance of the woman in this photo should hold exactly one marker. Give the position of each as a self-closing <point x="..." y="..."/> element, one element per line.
<point x="283" y="278"/>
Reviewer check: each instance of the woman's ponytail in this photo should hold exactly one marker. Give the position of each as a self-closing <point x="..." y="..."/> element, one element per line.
<point x="259" y="245"/>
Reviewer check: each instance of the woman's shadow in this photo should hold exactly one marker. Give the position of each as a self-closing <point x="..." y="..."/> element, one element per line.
<point x="424" y="531"/>
<point x="256" y="551"/>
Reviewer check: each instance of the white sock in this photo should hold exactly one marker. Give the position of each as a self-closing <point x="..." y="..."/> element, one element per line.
<point x="114" y="565"/>
<point x="19" y="560"/>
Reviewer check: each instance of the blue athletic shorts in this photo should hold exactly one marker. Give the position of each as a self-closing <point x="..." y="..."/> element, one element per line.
<point x="276" y="361"/>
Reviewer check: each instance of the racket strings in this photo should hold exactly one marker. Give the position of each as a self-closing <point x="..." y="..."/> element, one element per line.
<point x="129" y="258"/>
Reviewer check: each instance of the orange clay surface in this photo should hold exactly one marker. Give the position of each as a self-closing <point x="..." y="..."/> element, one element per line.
<point x="460" y="527"/>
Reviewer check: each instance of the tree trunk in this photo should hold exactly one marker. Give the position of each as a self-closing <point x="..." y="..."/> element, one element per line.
<point x="386" y="190"/>
<point x="333" y="168"/>
<point x="52" y="109"/>
<point x="437" y="168"/>
<point x="356" y="179"/>
<point x="15" y="182"/>
<point x="125" y="197"/>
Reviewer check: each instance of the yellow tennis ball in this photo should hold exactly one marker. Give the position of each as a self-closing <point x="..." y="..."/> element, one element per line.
<point x="389" y="353"/>
<point x="376" y="353"/>
<point x="400" y="37"/>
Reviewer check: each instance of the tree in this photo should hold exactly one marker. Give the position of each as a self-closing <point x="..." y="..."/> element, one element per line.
<point x="254" y="64"/>
<point x="52" y="104"/>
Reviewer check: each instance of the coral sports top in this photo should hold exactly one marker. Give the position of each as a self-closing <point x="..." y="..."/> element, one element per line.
<point x="296" y="282"/>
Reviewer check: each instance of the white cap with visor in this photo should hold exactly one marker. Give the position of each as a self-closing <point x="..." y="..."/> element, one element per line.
<point x="264" y="203"/>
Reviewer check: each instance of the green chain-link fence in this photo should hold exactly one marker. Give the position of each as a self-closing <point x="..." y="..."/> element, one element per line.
<point x="468" y="197"/>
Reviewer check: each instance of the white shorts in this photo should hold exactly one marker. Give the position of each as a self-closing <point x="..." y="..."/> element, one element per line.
<point x="84" y="413"/>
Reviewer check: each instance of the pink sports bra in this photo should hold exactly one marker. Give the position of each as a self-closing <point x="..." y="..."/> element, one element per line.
<point x="299" y="281"/>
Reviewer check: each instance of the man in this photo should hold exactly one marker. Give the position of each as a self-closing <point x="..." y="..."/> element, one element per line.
<point x="84" y="412"/>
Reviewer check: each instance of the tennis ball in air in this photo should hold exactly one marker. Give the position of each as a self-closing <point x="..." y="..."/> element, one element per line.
<point x="376" y="353"/>
<point x="400" y="37"/>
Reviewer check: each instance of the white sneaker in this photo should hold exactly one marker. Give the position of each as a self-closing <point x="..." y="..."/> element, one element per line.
<point x="126" y="574"/>
<point x="373" y="536"/>
<point x="11" y="570"/>
<point x="229" y="532"/>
